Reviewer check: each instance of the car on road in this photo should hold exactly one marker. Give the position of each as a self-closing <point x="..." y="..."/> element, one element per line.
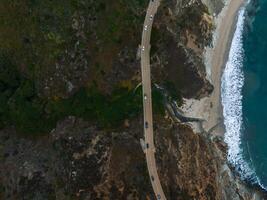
<point x="147" y="145"/>
<point x="145" y="97"/>
<point x="146" y="124"/>
<point x="145" y="27"/>
<point x="158" y="196"/>
<point x="152" y="178"/>
<point x="151" y="17"/>
<point x="143" y="48"/>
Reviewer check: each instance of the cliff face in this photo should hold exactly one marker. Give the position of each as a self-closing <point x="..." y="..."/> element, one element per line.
<point x="215" y="6"/>
<point x="79" y="161"/>
<point x="75" y="161"/>
<point x="82" y="158"/>
<point x="180" y="33"/>
<point x="194" y="166"/>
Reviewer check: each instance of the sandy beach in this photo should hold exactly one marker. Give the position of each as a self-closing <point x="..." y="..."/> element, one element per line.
<point x="210" y="108"/>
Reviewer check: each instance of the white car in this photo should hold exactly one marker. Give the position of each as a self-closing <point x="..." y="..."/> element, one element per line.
<point x="145" y="97"/>
<point x="143" y="48"/>
<point x="151" y="17"/>
<point x="145" y="27"/>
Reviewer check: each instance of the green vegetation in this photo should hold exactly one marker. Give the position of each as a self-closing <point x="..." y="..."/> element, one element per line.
<point x="34" y="36"/>
<point x="173" y="92"/>
<point x="37" y="33"/>
<point x="2" y="191"/>
<point x="108" y="111"/>
<point x="20" y="105"/>
<point x="192" y="15"/>
<point x="157" y="102"/>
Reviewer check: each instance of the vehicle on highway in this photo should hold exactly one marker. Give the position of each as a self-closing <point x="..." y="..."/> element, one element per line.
<point x="143" y="48"/>
<point x="147" y="145"/>
<point x="158" y="196"/>
<point x="146" y="124"/>
<point x="145" y="27"/>
<point x="145" y="97"/>
<point x="151" y="17"/>
<point x="152" y="178"/>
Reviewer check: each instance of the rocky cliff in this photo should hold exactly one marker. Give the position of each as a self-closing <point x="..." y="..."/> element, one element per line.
<point x="72" y="82"/>
<point x="79" y="161"/>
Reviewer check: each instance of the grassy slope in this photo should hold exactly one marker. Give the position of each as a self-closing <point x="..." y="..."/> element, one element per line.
<point x="34" y="35"/>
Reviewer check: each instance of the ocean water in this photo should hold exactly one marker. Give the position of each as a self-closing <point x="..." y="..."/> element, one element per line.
<point x="244" y="94"/>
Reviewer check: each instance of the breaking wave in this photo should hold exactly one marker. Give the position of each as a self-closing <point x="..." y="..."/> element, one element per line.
<point x="231" y="93"/>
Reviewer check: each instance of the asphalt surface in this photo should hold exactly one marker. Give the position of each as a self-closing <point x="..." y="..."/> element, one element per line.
<point x="147" y="100"/>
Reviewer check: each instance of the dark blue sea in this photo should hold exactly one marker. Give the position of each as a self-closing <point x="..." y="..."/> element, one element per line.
<point x="244" y="94"/>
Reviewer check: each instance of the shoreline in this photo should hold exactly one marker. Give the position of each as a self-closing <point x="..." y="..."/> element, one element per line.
<point x="210" y="108"/>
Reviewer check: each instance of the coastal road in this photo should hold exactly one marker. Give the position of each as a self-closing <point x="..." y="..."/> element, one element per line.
<point x="147" y="100"/>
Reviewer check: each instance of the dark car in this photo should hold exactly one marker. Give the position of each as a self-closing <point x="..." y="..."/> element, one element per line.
<point x="147" y="145"/>
<point x="152" y="178"/>
<point x="146" y="124"/>
<point x="158" y="196"/>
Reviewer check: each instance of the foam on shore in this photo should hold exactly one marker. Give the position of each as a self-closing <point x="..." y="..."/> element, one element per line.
<point x="231" y="94"/>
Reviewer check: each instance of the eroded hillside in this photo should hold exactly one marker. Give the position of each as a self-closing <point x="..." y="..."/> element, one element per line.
<point x="71" y="115"/>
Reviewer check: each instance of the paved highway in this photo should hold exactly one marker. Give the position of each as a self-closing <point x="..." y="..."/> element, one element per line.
<point x="147" y="100"/>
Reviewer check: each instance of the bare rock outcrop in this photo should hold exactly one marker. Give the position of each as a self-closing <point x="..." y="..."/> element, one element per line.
<point x="79" y="161"/>
<point x="194" y="166"/>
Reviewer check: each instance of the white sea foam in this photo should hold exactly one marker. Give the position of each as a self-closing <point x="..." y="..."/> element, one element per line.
<point x="231" y="93"/>
<point x="232" y="83"/>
